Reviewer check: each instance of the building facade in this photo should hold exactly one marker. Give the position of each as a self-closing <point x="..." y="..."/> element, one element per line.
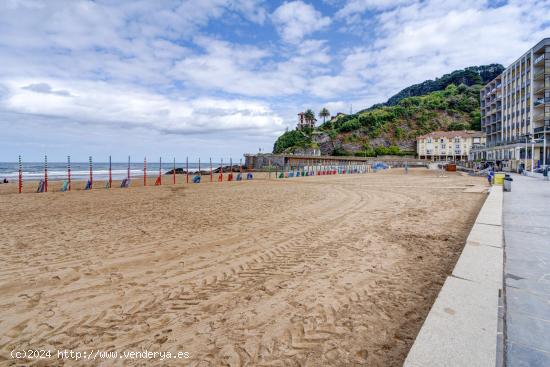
<point x="515" y="112"/>
<point x="304" y="121"/>
<point x="448" y="145"/>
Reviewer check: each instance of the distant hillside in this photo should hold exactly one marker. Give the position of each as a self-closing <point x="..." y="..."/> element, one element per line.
<point x="450" y="102"/>
<point x="389" y="129"/>
<point x="470" y="76"/>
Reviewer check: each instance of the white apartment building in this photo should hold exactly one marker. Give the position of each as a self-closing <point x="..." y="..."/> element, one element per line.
<point x="515" y="112"/>
<point x="448" y="145"/>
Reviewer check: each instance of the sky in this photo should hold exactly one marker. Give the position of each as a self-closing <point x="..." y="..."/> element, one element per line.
<point x="219" y="78"/>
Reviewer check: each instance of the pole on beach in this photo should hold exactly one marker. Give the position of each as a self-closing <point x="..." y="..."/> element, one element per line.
<point x="211" y="170"/>
<point x="186" y="169"/>
<point x="241" y="167"/>
<point x="128" y="176"/>
<point x="174" y="172"/>
<point x="69" y="173"/>
<point x="199" y="172"/>
<point x="91" y="175"/>
<point x="20" y="175"/>
<point x="220" y="177"/>
<point x="269" y="169"/>
<point x="45" y="173"/>
<point x="160" y="170"/>
<point x="144" y="171"/>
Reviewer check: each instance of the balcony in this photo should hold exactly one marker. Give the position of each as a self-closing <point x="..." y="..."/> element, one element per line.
<point x="540" y="74"/>
<point x="538" y="102"/>
<point x="540" y="90"/>
<point x="541" y="129"/>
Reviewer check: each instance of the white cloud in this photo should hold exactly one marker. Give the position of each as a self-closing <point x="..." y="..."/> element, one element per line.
<point x="295" y="20"/>
<point x="359" y="6"/>
<point x="248" y="70"/>
<point x="107" y="104"/>
<point x="425" y="39"/>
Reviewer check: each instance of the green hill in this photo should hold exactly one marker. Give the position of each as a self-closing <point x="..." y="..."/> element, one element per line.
<point x="392" y="127"/>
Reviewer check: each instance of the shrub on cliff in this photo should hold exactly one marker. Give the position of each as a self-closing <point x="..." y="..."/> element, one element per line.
<point x="293" y="138"/>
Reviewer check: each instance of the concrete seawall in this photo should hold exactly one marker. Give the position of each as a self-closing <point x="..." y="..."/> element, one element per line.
<point x="462" y="326"/>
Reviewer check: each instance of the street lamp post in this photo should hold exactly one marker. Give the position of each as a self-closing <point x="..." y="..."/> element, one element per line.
<point x="532" y="155"/>
<point x="533" y="141"/>
<point x="544" y="149"/>
<point x="525" y="156"/>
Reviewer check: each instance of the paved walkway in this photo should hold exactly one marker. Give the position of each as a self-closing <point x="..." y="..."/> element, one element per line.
<point x="527" y="272"/>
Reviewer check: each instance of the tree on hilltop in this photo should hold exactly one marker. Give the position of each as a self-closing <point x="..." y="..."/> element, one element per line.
<point x="309" y="115"/>
<point x="324" y="114"/>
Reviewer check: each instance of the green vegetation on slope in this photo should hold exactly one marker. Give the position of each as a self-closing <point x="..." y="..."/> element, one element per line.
<point x="470" y="76"/>
<point x="293" y="138"/>
<point x="454" y="108"/>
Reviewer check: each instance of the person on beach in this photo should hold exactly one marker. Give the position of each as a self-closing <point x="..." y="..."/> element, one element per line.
<point x="490" y="176"/>
<point x="5" y="180"/>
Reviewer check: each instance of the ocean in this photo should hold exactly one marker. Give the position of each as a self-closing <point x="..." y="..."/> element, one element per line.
<point x="80" y="170"/>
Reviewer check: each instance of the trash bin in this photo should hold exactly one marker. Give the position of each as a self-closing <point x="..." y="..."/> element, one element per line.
<point x="499" y="178"/>
<point x="508" y="183"/>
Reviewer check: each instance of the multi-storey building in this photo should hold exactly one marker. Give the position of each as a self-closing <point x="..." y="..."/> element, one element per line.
<point x="448" y="145"/>
<point x="305" y="121"/>
<point x="515" y="112"/>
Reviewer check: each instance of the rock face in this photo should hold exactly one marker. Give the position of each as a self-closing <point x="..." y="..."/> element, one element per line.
<point x="234" y="168"/>
<point x="179" y="171"/>
<point x="325" y="143"/>
<point x="328" y="145"/>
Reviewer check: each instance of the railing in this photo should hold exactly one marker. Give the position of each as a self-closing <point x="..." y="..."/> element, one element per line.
<point x="541" y="129"/>
<point x="541" y="73"/>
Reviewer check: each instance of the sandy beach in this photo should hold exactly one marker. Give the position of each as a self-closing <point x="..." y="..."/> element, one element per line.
<point x="313" y="271"/>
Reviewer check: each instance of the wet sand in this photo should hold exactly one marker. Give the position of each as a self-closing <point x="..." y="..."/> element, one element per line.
<point x="311" y="271"/>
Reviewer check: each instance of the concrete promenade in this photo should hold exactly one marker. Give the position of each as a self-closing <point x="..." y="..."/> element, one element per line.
<point x="527" y="272"/>
<point x="462" y="328"/>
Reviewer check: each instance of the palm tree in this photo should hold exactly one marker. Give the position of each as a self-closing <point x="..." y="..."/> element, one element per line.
<point x="309" y="115"/>
<point x="324" y="114"/>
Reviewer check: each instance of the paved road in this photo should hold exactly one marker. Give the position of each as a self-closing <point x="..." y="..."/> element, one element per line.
<point x="527" y="272"/>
